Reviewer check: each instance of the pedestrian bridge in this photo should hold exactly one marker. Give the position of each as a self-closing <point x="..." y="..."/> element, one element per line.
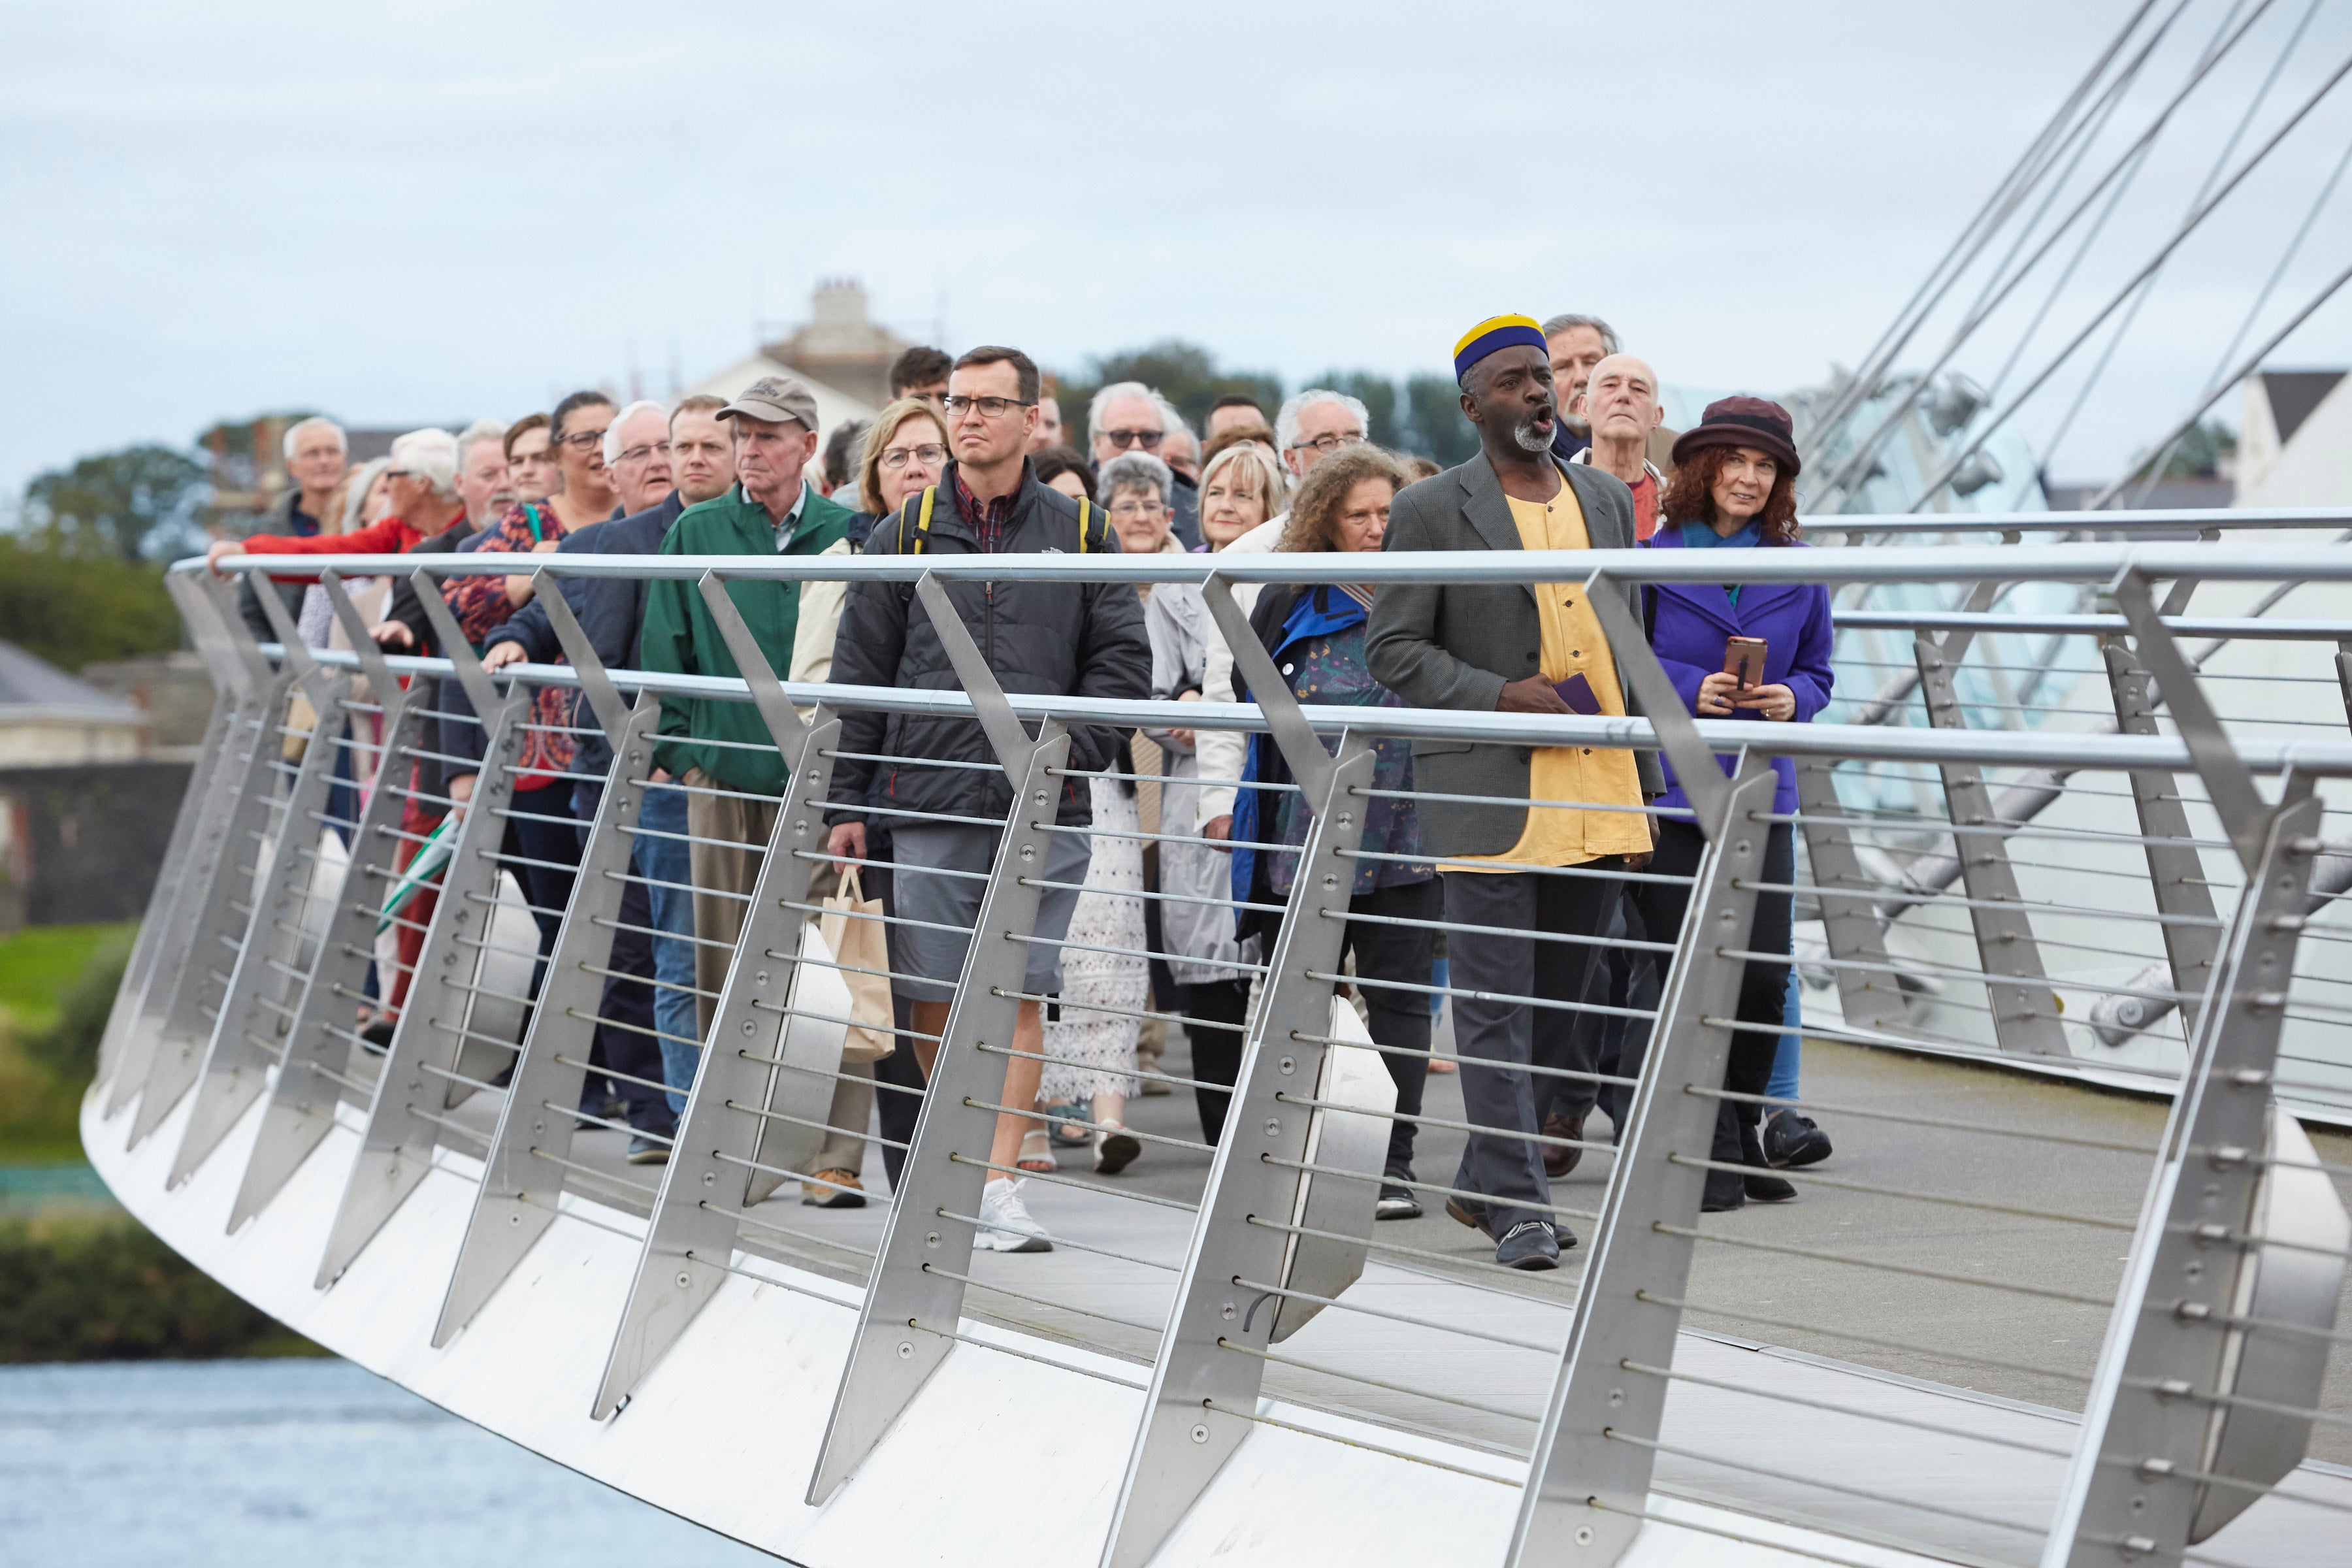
<point x="2071" y="940"/>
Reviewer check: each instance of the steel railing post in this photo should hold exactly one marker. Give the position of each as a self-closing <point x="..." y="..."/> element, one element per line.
<point x="1856" y="933"/>
<point x="221" y="885"/>
<point x="404" y="1124"/>
<point x="1197" y="1411"/>
<point x="2025" y="1017"/>
<point x="1585" y="1491"/>
<point x="248" y="1037"/>
<point x="300" y="1108"/>
<point x="2138" y="1477"/>
<point x="2175" y="871"/>
<point x="704" y="1188"/>
<point x="172" y="874"/>
<point x="914" y="1300"/>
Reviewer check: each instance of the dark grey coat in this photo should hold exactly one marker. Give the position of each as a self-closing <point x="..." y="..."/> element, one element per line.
<point x="1456" y="646"/>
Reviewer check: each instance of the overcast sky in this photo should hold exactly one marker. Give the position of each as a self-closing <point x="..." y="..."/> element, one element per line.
<point x="426" y="213"/>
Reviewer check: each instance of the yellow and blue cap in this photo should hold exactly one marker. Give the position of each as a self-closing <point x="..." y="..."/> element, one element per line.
<point x="1496" y="332"/>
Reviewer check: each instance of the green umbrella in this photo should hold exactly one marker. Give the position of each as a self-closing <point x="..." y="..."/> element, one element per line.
<point x="431" y="856"/>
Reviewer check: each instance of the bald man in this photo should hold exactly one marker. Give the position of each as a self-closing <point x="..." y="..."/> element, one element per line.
<point x="1619" y="405"/>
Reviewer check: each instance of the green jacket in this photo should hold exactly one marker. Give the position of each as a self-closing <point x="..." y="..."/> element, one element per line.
<point x="680" y="637"/>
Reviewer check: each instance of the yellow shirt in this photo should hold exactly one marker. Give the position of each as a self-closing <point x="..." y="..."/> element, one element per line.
<point x="1572" y="643"/>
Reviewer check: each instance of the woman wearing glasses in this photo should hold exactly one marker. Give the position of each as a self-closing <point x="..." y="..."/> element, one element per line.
<point x="576" y="436"/>
<point x="905" y="452"/>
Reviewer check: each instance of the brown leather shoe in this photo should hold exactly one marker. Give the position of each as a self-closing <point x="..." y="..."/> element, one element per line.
<point x="1558" y="1161"/>
<point x="834" y="1190"/>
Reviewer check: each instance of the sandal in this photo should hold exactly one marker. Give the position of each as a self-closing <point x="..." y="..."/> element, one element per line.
<point x="1114" y="1149"/>
<point x="1069" y="1124"/>
<point x="1038" y="1152"/>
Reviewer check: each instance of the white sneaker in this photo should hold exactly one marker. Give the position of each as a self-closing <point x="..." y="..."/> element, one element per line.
<point x="1005" y="1222"/>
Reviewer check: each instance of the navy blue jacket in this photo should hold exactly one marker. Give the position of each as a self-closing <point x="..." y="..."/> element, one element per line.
<point x="610" y="610"/>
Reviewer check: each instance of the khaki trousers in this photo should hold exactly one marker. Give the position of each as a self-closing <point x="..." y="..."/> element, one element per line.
<point x="719" y="869"/>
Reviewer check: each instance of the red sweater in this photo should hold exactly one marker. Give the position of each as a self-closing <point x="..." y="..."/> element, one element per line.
<point x="387" y="536"/>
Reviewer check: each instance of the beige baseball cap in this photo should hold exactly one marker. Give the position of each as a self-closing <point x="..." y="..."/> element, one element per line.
<point x="775" y="398"/>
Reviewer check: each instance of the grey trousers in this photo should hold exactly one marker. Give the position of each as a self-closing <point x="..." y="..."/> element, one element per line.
<point x="1495" y="1041"/>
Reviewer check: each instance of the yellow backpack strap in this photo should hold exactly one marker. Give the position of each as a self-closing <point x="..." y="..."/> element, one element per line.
<point x="922" y="522"/>
<point x="1081" y="525"/>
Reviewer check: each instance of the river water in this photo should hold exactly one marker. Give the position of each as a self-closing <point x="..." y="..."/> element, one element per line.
<point x="244" y="1464"/>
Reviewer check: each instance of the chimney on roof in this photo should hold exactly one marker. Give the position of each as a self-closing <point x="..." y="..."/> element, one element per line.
<point x="841" y="345"/>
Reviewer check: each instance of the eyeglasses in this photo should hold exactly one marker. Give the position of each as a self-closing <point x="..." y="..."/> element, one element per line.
<point x="993" y="407"/>
<point x="1329" y="443"/>
<point x="1148" y="439"/>
<point x="639" y="454"/>
<point x="581" y="440"/>
<point x="398" y="474"/>
<point x="1138" y="509"/>
<point x="896" y="458"/>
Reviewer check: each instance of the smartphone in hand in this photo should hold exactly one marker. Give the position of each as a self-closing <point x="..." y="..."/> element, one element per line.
<point x="1744" y="657"/>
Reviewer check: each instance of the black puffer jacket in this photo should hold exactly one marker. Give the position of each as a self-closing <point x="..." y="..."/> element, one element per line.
<point x="1069" y="640"/>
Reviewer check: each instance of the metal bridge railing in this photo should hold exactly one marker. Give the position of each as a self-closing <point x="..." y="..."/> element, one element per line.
<point x="2005" y="861"/>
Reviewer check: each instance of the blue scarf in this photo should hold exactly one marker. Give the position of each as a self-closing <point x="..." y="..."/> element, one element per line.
<point x="1703" y="536"/>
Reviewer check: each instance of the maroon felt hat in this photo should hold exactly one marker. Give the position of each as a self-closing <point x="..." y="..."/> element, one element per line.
<point x="1756" y="422"/>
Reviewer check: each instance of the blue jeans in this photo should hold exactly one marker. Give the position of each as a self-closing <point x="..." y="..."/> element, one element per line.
<point x="661" y="859"/>
<point x="1783" y="1084"/>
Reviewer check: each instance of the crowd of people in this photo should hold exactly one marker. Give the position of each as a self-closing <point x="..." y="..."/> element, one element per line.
<point x="1536" y="890"/>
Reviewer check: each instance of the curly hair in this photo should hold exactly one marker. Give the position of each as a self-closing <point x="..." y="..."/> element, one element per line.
<point x="1690" y="496"/>
<point x="1322" y="495"/>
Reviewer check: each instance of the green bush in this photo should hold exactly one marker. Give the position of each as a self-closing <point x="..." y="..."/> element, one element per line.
<point x="103" y="1288"/>
<point x="74" y="610"/>
<point x="68" y="1047"/>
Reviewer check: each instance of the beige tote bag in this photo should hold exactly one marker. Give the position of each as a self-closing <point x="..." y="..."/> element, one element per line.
<point x="859" y="945"/>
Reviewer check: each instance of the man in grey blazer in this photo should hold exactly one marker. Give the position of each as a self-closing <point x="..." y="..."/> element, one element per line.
<point x="1552" y="877"/>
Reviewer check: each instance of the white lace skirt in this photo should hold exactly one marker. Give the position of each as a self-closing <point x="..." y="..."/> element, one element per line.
<point x="1089" y="1053"/>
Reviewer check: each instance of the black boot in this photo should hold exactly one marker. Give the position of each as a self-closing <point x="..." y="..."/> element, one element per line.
<point x="1725" y="1191"/>
<point x="1760" y="1182"/>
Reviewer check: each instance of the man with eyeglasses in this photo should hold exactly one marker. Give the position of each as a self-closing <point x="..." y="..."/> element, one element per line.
<point x="721" y="753"/>
<point x="1129" y="416"/>
<point x="1060" y="638"/>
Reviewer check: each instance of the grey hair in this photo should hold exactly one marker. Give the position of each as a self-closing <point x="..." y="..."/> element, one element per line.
<point x="1134" y="471"/>
<point x="481" y="430"/>
<point x="1117" y="389"/>
<point x="430" y="454"/>
<point x="1285" y="424"/>
<point x="1172" y="423"/>
<point x="1559" y="324"/>
<point x="612" y="431"/>
<point x="296" y="431"/>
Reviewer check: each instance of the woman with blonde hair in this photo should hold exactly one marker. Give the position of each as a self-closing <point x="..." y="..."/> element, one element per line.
<point x="904" y="453"/>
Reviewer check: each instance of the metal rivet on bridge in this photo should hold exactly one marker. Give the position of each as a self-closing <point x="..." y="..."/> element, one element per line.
<point x="905" y="1351"/>
<point x="1200" y="1433"/>
<point x="1273" y="1127"/>
<point x="684" y="1279"/>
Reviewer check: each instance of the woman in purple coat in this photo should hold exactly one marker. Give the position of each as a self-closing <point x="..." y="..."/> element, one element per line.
<point x="1734" y="488"/>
